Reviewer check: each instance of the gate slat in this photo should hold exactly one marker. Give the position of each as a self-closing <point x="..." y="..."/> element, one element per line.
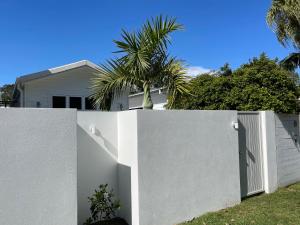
<point x="250" y="153"/>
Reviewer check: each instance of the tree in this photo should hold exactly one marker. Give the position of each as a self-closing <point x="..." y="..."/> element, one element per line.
<point x="7" y="92"/>
<point x="225" y="70"/>
<point x="284" y="18"/>
<point x="144" y="63"/>
<point x="260" y="84"/>
<point x="263" y="85"/>
<point x="208" y="92"/>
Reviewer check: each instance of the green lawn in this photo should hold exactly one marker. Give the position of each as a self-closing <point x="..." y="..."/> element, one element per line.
<point x="279" y="208"/>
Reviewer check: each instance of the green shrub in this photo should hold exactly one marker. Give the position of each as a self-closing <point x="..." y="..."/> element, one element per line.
<point x="260" y="84"/>
<point x="103" y="205"/>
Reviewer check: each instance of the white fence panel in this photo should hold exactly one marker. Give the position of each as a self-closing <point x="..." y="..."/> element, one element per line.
<point x="188" y="164"/>
<point x="38" y="164"/>
<point x="288" y="149"/>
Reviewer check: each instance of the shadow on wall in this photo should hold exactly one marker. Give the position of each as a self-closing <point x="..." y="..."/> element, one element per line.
<point x="287" y="129"/>
<point x="288" y="149"/>
<point x="124" y="180"/>
<point x="243" y="159"/>
<point x="95" y="166"/>
<point x="110" y="147"/>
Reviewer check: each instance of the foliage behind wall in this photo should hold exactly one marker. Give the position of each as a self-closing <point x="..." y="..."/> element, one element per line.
<point x="7" y="92"/>
<point x="260" y="84"/>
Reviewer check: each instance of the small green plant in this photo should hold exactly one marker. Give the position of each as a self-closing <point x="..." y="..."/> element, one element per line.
<point x="89" y="221"/>
<point x="103" y="205"/>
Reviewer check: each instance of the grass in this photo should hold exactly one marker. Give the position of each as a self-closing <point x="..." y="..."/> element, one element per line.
<point x="279" y="208"/>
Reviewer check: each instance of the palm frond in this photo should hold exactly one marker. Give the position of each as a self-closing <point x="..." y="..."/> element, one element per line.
<point x="291" y="62"/>
<point x="284" y="18"/>
<point x="135" y="56"/>
<point x="158" y="30"/>
<point x="110" y="82"/>
<point x="176" y="81"/>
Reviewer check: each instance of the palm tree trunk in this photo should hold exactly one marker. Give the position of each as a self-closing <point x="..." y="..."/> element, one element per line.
<point x="147" y="102"/>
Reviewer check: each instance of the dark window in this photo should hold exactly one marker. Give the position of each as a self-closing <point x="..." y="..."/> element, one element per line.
<point x="59" y="102"/>
<point x="75" y="102"/>
<point x="89" y="104"/>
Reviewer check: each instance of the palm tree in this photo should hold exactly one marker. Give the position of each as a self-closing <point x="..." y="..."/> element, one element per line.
<point x="284" y="18"/>
<point x="144" y="62"/>
<point x="291" y="62"/>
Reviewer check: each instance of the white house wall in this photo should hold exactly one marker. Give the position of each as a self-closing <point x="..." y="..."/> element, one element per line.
<point x="74" y="83"/>
<point x="158" y="99"/>
<point x="121" y="103"/>
<point x="68" y="83"/>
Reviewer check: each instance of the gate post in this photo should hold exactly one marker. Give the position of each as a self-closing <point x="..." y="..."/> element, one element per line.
<point x="268" y="140"/>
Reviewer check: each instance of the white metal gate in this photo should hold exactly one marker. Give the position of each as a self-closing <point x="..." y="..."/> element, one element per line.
<point x="250" y="153"/>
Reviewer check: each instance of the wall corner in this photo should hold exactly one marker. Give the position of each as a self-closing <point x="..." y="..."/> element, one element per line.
<point x="128" y="164"/>
<point x="269" y="151"/>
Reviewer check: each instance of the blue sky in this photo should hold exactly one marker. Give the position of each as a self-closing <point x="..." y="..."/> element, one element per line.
<point x="37" y="35"/>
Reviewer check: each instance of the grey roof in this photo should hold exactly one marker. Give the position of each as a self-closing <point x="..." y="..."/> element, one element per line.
<point x="56" y="70"/>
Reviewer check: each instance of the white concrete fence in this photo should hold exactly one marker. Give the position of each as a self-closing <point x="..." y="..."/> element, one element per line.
<point x="166" y="167"/>
<point x="288" y="149"/>
<point x="38" y="167"/>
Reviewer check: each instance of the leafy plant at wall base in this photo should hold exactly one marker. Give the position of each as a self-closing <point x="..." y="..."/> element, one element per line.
<point x="103" y="205"/>
<point x="89" y="221"/>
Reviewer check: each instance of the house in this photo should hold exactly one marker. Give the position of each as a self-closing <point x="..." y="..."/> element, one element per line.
<point x="158" y="96"/>
<point x="66" y="86"/>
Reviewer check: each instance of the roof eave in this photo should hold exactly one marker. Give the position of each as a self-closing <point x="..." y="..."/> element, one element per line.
<point x="55" y="70"/>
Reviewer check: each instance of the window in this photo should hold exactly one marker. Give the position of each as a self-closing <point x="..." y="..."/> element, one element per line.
<point x="59" y="102"/>
<point x="89" y="104"/>
<point x="75" y="102"/>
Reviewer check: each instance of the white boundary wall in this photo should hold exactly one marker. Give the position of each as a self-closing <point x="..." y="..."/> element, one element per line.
<point x="128" y="158"/>
<point x="269" y="151"/>
<point x="38" y="167"/>
<point x="97" y="156"/>
<point x="281" y="149"/>
<point x="170" y="166"/>
<point x="288" y="149"/>
<point x="165" y="166"/>
<point x="188" y="164"/>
